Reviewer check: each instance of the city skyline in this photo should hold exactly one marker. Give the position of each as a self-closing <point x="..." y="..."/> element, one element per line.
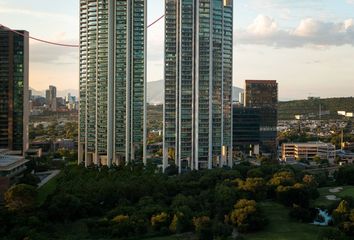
<point x="274" y="40"/>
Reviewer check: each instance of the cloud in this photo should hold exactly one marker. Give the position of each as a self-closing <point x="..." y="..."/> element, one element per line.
<point x="50" y="54"/>
<point x="36" y="14"/>
<point x="265" y="31"/>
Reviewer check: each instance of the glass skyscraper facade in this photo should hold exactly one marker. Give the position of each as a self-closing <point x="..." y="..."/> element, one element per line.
<point x="198" y="83"/>
<point x="263" y="95"/>
<point x="112" y="124"/>
<point x="14" y="107"/>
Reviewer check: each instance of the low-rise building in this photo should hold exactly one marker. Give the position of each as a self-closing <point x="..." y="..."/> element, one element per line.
<point x="308" y="151"/>
<point x="345" y="157"/>
<point x="11" y="166"/>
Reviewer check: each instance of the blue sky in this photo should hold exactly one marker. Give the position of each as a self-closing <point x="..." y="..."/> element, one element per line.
<point x="307" y="45"/>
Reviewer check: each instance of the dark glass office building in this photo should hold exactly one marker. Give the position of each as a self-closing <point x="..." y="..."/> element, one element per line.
<point x="246" y="129"/>
<point x="198" y="83"/>
<point x="112" y="115"/>
<point x="14" y="107"/>
<point x="263" y="94"/>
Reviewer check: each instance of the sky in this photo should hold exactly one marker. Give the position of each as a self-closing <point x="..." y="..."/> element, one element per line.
<point x="306" y="45"/>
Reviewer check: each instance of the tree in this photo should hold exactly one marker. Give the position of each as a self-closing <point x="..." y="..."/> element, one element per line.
<point x="180" y="223"/>
<point x="203" y="227"/>
<point x="303" y="214"/>
<point x="122" y="227"/>
<point x="256" y="187"/>
<point x="224" y="199"/>
<point x="345" y="175"/>
<point x="21" y="197"/>
<point x="284" y="178"/>
<point x="160" y="221"/>
<point x="341" y="213"/>
<point x="297" y="194"/>
<point x="311" y="184"/>
<point x="246" y="216"/>
<point x="65" y="207"/>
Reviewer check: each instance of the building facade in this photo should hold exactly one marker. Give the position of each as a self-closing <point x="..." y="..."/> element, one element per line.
<point x="14" y="104"/>
<point x="246" y="130"/>
<point x="263" y="95"/>
<point x="309" y="151"/>
<point x="51" y="98"/>
<point x="112" y="115"/>
<point x="198" y="83"/>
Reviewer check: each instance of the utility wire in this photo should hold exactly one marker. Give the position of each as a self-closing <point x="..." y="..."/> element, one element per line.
<point x="63" y="44"/>
<point x="37" y="39"/>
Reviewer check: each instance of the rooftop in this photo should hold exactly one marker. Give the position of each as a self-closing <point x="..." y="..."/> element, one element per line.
<point x="9" y="162"/>
<point x="262" y="81"/>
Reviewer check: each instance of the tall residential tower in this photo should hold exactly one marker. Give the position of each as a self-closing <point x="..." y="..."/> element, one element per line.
<point x="112" y="124"/>
<point x="198" y="83"/>
<point x="14" y="106"/>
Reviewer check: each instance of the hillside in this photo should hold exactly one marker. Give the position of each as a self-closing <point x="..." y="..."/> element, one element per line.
<point x="310" y="108"/>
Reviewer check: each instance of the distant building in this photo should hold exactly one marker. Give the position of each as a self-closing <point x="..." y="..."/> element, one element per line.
<point x="345" y="157"/>
<point x="198" y="84"/>
<point x="51" y="97"/>
<point x="263" y="95"/>
<point x="14" y="90"/>
<point x="68" y="144"/>
<point x="246" y="130"/>
<point x="309" y="151"/>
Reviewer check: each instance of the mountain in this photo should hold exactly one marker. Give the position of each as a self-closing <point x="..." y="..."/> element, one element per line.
<point x="36" y="92"/>
<point x="155" y="92"/>
<point x="312" y="107"/>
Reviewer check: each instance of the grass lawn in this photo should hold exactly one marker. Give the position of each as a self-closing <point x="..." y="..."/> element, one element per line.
<point x="281" y="227"/>
<point x="348" y="191"/>
<point x="46" y="190"/>
<point x="173" y="237"/>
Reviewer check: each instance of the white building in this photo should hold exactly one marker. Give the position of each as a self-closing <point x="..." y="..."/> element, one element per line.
<point x="308" y="151"/>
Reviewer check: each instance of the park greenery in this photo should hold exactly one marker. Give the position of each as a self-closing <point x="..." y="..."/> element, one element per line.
<point x="137" y="202"/>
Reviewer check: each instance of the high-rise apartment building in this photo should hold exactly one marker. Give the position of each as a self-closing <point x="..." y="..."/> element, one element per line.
<point x="263" y="94"/>
<point x="198" y="83"/>
<point x="14" y="107"/>
<point x="112" y="81"/>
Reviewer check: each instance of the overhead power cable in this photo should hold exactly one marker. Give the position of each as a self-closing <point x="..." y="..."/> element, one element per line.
<point x="38" y="39"/>
<point x="63" y="44"/>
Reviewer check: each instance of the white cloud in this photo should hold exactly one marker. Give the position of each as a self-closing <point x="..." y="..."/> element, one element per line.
<point x="263" y="26"/>
<point x="36" y="14"/>
<point x="265" y="31"/>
